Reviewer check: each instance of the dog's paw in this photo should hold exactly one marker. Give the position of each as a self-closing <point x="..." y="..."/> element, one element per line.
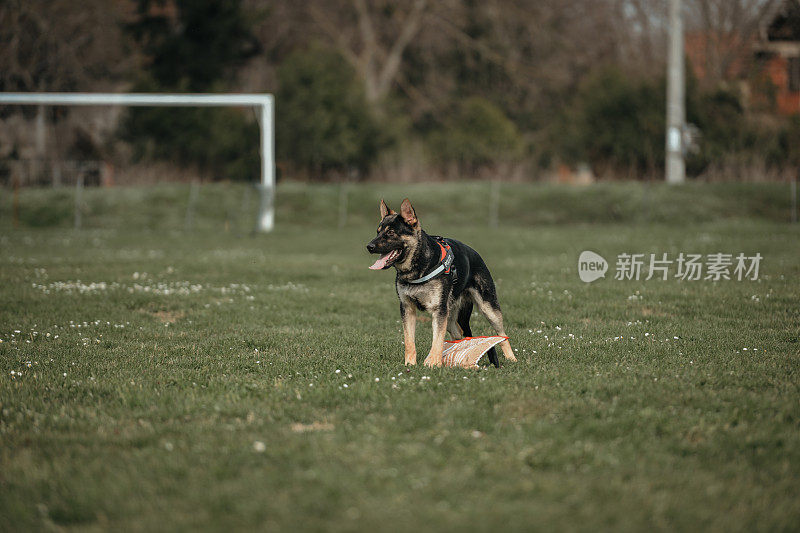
<point x="432" y="361"/>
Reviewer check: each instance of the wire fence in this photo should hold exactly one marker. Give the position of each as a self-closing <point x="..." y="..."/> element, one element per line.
<point x="202" y="206"/>
<point x="46" y="172"/>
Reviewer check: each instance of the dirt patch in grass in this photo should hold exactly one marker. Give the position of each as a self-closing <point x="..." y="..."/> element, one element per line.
<point x="299" y="427"/>
<point x="649" y="311"/>
<point x="166" y="317"/>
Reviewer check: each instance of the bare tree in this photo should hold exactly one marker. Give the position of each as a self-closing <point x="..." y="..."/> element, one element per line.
<point x="375" y="44"/>
<point x="727" y="28"/>
<point x="56" y="45"/>
<point x="52" y="45"/>
<point x="525" y="51"/>
<point x="640" y="27"/>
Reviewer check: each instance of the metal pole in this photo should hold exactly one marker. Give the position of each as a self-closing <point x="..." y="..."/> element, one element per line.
<point x="137" y="99"/>
<point x="676" y="113"/>
<point x="266" y="212"/>
<point x="264" y="102"/>
<point x="78" y="200"/>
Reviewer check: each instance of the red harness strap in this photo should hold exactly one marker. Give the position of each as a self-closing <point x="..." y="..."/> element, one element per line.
<point x="445" y="248"/>
<point x="445" y="263"/>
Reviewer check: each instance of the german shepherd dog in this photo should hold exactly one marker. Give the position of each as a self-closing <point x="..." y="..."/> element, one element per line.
<point x="442" y="276"/>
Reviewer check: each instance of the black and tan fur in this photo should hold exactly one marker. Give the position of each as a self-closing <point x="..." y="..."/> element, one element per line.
<point x="449" y="298"/>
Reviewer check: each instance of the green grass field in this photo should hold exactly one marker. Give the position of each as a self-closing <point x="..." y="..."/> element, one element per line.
<point x="158" y="378"/>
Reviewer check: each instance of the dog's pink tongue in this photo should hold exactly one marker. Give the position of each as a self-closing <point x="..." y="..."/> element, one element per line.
<point x="380" y="263"/>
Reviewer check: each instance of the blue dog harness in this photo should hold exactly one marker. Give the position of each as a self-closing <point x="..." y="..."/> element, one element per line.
<point x="445" y="263"/>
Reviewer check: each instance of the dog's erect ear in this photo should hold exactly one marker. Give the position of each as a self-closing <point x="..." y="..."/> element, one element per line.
<point x="408" y="214"/>
<point x="385" y="210"/>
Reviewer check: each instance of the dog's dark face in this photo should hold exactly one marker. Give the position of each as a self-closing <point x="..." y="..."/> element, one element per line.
<point x="398" y="235"/>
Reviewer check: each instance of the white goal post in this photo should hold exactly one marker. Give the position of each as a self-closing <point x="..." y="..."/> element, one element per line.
<point x="263" y="103"/>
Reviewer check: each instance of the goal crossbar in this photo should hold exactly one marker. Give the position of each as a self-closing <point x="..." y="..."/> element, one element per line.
<point x="263" y="103"/>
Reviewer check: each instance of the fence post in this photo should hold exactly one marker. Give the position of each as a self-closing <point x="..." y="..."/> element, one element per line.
<point x="78" y="200"/>
<point x="494" y="204"/>
<point x="342" y="205"/>
<point x="40" y="167"/>
<point x="15" y="208"/>
<point x="194" y="191"/>
<point x="56" y="174"/>
<point x="245" y="209"/>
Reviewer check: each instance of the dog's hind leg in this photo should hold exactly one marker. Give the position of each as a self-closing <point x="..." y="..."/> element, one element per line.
<point x="490" y="308"/>
<point x="455" y="320"/>
<point x="492" y="355"/>
<point x="464" y="314"/>
<point x="454" y="329"/>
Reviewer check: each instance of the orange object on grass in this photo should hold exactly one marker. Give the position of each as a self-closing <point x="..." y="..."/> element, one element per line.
<point x="468" y="351"/>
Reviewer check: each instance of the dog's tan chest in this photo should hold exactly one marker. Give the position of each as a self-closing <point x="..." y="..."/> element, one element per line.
<point x="428" y="295"/>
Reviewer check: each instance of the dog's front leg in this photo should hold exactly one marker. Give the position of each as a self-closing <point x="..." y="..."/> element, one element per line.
<point x="409" y="315"/>
<point x="439" y="319"/>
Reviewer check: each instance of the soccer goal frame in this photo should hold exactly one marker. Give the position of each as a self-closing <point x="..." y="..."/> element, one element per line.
<point x="264" y="104"/>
